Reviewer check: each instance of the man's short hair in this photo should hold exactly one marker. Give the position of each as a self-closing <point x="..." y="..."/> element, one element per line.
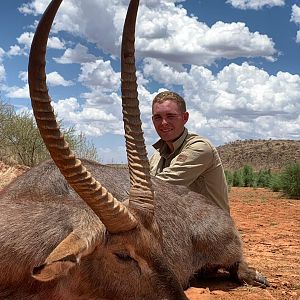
<point x="172" y="96"/>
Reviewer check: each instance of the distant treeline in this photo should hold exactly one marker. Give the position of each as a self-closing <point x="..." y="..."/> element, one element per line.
<point x="286" y="181"/>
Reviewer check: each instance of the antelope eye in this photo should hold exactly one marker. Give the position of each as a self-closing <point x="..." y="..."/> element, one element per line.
<point x="123" y="256"/>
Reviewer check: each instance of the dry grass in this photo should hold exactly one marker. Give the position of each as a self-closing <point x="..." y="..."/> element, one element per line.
<point x="7" y="177"/>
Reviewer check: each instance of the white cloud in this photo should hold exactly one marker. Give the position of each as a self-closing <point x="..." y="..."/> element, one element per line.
<point x="99" y="75"/>
<point x="16" y="50"/>
<point x="277" y="128"/>
<point x="91" y="121"/>
<point x="255" y="4"/>
<point x="55" y="43"/>
<point x="26" y="39"/>
<point x="35" y="7"/>
<point x="2" y="72"/>
<point x="81" y="18"/>
<point x="164" y="31"/>
<point x="2" y="53"/>
<point x="235" y="40"/>
<point x="167" y="74"/>
<point x="298" y="37"/>
<point x="18" y="92"/>
<point x="170" y="34"/>
<point x="77" y="55"/>
<point x="2" y="69"/>
<point x="232" y="104"/>
<point x="55" y="79"/>
<point x="109" y="104"/>
<point x="254" y="92"/>
<point x="97" y="97"/>
<point x="23" y="76"/>
<point x="66" y="108"/>
<point x="295" y="17"/>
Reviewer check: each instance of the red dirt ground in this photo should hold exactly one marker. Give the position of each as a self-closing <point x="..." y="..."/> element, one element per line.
<point x="270" y="229"/>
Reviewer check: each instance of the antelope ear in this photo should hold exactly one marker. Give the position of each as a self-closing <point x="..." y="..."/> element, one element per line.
<point x="67" y="255"/>
<point x="52" y="270"/>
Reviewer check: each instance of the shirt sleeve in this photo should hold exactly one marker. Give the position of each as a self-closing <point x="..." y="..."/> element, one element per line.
<point x="188" y="165"/>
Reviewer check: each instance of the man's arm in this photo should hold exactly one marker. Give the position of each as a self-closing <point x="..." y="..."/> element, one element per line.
<point x="188" y="165"/>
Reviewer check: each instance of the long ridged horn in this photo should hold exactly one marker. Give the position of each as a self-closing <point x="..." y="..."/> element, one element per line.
<point x="141" y="187"/>
<point x="112" y="213"/>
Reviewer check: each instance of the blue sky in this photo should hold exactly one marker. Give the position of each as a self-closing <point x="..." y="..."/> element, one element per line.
<point x="235" y="62"/>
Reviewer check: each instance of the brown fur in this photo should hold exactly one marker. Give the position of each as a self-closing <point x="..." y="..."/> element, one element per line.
<point x="153" y="261"/>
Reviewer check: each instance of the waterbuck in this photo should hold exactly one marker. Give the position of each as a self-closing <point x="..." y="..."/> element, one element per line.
<point x="67" y="234"/>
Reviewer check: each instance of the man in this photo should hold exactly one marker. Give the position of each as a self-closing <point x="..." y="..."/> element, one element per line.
<point x="184" y="158"/>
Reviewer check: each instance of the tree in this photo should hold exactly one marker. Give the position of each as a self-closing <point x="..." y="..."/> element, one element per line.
<point x="82" y="147"/>
<point x="6" y="112"/>
<point x="21" y="142"/>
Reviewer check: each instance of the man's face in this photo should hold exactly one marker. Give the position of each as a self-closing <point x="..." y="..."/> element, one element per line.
<point x="168" y="120"/>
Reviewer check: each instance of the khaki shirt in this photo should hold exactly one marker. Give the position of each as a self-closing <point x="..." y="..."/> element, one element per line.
<point x="194" y="163"/>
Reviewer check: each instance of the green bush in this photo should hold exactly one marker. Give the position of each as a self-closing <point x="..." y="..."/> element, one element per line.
<point x="229" y="178"/>
<point x="290" y="179"/>
<point x="263" y="178"/>
<point x="275" y="183"/>
<point x="287" y="182"/>
<point x="237" y="179"/>
<point x="248" y="176"/>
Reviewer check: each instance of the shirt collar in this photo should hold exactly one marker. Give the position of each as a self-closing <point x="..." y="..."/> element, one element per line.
<point x="160" y="145"/>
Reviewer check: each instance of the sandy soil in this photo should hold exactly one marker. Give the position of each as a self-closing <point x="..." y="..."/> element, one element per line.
<point x="8" y="173"/>
<point x="270" y="229"/>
